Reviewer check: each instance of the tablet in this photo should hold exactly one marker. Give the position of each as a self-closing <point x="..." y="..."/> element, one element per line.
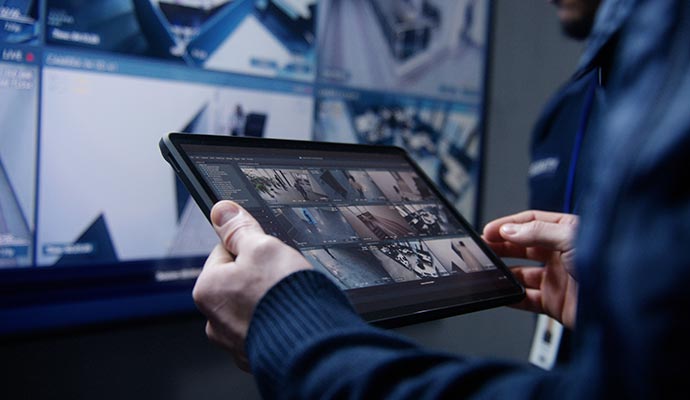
<point x="365" y="216"/>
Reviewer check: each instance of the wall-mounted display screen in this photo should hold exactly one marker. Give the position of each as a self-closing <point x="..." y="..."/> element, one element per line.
<point x="94" y="226"/>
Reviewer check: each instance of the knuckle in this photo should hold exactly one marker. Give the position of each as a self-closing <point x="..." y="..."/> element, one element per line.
<point x="233" y="231"/>
<point x="202" y="299"/>
<point x="265" y="246"/>
<point x="198" y="295"/>
<point x="205" y="292"/>
<point x="534" y="227"/>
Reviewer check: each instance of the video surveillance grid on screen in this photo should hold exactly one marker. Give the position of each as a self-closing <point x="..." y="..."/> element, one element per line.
<point x="86" y="82"/>
<point x="389" y="230"/>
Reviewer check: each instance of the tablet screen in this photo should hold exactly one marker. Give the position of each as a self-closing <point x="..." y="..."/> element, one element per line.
<point x="365" y="216"/>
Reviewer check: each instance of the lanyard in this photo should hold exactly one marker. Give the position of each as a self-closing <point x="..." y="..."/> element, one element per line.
<point x="575" y="154"/>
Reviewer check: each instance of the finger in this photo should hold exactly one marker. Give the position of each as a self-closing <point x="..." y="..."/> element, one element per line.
<point x="234" y="225"/>
<point x="491" y="230"/>
<point x="507" y="249"/>
<point x="215" y="263"/>
<point x="513" y="250"/>
<point x="549" y="235"/>
<point x="530" y="277"/>
<point x="219" y="256"/>
<point x="531" y="301"/>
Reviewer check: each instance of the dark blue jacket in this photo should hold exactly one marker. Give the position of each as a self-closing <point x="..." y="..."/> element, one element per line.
<point x="633" y="324"/>
<point x="558" y="143"/>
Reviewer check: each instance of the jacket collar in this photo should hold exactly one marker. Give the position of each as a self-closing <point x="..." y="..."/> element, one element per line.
<point x="610" y="18"/>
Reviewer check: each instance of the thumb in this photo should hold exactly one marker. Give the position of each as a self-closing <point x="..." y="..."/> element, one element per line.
<point x="548" y="235"/>
<point x="234" y="225"/>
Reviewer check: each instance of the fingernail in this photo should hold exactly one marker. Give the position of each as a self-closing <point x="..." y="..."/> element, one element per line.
<point x="227" y="211"/>
<point x="510" y="229"/>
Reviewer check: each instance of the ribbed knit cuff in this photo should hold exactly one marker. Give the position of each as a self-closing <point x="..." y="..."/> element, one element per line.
<point x="301" y="306"/>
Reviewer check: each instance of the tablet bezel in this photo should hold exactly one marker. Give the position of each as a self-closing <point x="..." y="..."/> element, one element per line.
<point x="389" y="316"/>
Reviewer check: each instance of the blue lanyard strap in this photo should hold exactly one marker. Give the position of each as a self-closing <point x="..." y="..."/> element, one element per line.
<point x="575" y="154"/>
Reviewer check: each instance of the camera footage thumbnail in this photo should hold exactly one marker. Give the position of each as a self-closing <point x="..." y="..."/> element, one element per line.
<point x="349" y="267"/>
<point x="406" y="261"/>
<point x="428" y="219"/>
<point x="377" y="222"/>
<point x="364" y="185"/>
<point x="314" y="225"/>
<point x="401" y="186"/>
<point x="348" y="185"/>
<point x="280" y="186"/>
<point x="460" y="255"/>
<point x="428" y="47"/>
<point x="353" y="267"/>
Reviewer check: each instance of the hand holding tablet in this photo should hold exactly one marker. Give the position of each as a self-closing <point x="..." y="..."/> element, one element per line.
<point x="366" y="216"/>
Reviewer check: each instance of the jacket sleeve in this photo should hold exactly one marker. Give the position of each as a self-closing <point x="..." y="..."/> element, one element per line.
<point x="305" y="341"/>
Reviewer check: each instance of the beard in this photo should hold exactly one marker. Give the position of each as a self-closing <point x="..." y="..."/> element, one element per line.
<point x="578" y="29"/>
<point x="577" y="17"/>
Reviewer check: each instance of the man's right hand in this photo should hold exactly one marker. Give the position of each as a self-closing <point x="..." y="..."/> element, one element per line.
<point x="545" y="237"/>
